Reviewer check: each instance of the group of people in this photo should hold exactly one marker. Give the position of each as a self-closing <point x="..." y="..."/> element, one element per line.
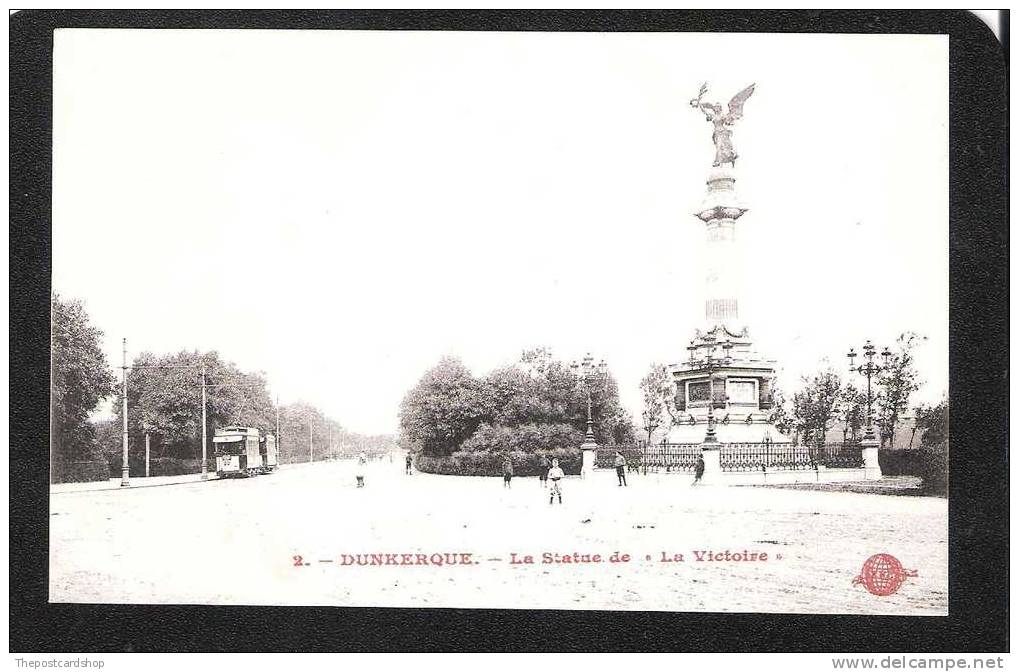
<point x="550" y="472"/>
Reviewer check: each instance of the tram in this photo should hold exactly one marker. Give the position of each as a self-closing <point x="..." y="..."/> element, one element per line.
<point x="244" y="451"/>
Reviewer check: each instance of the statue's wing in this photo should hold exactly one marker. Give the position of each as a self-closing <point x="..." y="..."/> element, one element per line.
<point x="736" y="104"/>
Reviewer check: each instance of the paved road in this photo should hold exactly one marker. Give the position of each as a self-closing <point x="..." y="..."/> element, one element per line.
<point x="234" y="542"/>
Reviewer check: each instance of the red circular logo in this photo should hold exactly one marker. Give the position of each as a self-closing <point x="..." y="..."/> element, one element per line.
<point x="882" y="574"/>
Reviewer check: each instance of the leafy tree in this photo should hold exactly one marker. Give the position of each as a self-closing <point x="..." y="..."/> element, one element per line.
<point x="817" y="405"/>
<point x="659" y="392"/>
<point x="514" y="397"/>
<point x="781" y="414"/>
<point x="563" y="398"/>
<point x="108" y="439"/>
<point x="303" y="425"/>
<point x="444" y="408"/>
<point x="558" y="392"/>
<point x="164" y="396"/>
<point x="80" y="378"/>
<point x="448" y="404"/>
<point x="896" y="383"/>
<point x="852" y="411"/>
<point x="933" y="422"/>
<point x="527" y="437"/>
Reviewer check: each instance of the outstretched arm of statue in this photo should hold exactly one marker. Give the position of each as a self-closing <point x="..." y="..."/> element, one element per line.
<point x="708" y="109"/>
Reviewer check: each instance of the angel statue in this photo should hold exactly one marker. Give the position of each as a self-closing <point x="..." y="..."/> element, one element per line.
<point x="722" y="136"/>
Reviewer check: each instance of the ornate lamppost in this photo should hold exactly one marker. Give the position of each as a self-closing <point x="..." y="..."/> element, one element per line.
<point x="869" y="369"/>
<point x="594" y="377"/>
<point x="711" y="363"/>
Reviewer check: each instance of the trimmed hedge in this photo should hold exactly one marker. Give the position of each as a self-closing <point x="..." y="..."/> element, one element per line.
<point x="929" y="463"/>
<point x="464" y="463"/>
<point x="934" y="468"/>
<point x="899" y="462"/>
<point x="80" y="472"/>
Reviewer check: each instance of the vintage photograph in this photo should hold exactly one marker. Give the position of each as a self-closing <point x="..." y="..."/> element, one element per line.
<point x="506" y="320"/>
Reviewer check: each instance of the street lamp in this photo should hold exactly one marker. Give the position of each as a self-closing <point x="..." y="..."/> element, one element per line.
<point x="869" y="370"/>
<point x="594" y="377"/>
<point x="711" y="363"/>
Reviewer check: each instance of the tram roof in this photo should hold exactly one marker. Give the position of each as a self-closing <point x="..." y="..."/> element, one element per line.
<point x="237" y="429"/>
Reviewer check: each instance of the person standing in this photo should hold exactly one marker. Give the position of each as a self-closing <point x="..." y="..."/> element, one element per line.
<point x="410" y="462"/>
<point x="507" y="472"/>
<point x="362" y="462"/>
<point x="543" y="471"/>
<point x="620" y="464"/>
<point x="698" y="470"/>
<point x="555" y="475"/>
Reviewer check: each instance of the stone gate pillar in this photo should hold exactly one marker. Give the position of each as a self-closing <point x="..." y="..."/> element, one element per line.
<point x="588" y="453"/>
<point x="871" y="465"/>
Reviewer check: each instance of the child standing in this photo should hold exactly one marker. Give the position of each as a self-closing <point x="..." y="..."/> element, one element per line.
<point x="362" y="462"/>
<point x="555" y="474"/>
<point x="507" y="472"/>
<point x="620" y="464"/>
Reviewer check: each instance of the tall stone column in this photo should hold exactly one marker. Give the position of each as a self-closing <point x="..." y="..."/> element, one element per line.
<point x="724" y="384"/>
<point x="719" y="211"/>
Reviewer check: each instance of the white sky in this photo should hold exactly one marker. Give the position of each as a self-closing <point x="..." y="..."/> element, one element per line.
<point x="341" y="209"/>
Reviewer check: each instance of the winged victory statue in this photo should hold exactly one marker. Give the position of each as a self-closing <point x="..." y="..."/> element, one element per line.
<point x="723" y="121"/>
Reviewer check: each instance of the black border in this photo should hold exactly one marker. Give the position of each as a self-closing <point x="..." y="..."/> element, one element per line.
<point x="979" y="236"/>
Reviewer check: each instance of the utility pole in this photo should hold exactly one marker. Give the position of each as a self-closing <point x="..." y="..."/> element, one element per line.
<point x="146" y="454"/>
<point x="124" y="469"/>
<point x="205" y="465"/>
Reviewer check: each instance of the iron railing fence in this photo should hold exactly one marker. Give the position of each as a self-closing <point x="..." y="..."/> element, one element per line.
<point x="733" y="457"/>
<point x="653" y="457"/>
<point x="671" y="457"/>
<point x="605" y="457"/>
<point x="744" y="457"/>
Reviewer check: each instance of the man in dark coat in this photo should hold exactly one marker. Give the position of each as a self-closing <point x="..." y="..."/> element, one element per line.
<point x="698" y="470"/>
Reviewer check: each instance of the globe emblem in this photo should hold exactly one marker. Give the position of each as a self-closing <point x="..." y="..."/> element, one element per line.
<point x="882" y="574"/>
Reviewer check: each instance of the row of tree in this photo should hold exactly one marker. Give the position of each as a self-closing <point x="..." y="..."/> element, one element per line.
<point x="164" y="400"/>
<point x="826" y="401"/>
<point x="539" y="397"/>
